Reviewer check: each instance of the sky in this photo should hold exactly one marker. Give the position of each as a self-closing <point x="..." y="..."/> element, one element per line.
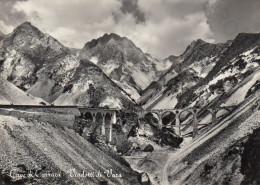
<point x="158" y="27"/>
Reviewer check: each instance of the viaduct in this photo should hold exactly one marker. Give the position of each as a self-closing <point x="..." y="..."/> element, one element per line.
<point x="107" y="117"/>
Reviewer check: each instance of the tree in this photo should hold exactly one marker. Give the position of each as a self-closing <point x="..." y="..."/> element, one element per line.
<point x="95" y="95"/>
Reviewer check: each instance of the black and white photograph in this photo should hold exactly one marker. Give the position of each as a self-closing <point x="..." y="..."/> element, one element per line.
<point x="129" y="92"/>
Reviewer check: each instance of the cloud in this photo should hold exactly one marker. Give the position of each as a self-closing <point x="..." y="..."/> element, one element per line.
<point x="227" y="18"/>
<point x="9" y="16"/>
<point x="130" y="7"/>
<point x="72" y="22"/>
<point x="171" y="25"/>
<point x="171" y="35"/>
<point x="159" y="27"/>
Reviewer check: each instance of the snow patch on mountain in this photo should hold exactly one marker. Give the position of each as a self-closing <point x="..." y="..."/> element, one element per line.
<point x="249" y="51"/>
<point x="94" y="59"/>
<point x="203" y="66"/>
<point x="240" y="94"/>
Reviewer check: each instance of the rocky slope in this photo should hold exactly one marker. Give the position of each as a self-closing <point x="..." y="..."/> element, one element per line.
<point x="43" y="67"/>
<point x="123" y="62"/>
<point x="37" y="152"/>
<point x="10" y="94"/>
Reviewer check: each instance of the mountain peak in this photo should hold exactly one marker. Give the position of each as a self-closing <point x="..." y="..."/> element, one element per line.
<point x="247" y="36"/>
<point x="198" y="42"/>
<point x="26" y="23"/>
<point x="243" y="34"/>
<point x="113" y="35"/>
<point x="104" y="39"/>
<point x="27" y="27"/>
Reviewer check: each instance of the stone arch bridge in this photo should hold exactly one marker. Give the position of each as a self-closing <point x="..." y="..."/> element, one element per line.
<point x="108" y="117"/>
<point x="195" y="112"/>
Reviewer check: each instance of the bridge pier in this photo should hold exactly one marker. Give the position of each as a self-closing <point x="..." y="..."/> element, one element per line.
<point x="195" y="123"/>
<point x="103" y="125"/>
<point x="214" y="117"/>
<point x="108" y="132"/>
<point x="109" y="127"/>
<point x="160" y="122"/>
<point x="178" y="123"/>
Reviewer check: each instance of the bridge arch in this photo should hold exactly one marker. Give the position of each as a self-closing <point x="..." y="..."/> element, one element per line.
<point x="168" y="118"/>
<point x="151" y="116"/>
<point x="102" y="118"/>
<point x="184" y="114"/>
<point x="159" y="117"/>
<point x="155" y="114"/>
<point x="213" y="113"/>
<point x="221" y="112"/>
<point x="88" y="115"/>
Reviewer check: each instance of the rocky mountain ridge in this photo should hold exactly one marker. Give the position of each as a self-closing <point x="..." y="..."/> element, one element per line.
<point x="197" y="60"/>
<point x="182" y="89"/>
<point x="40" y="65"/>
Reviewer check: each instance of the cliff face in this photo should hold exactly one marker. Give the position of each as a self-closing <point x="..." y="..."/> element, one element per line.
<point x="237" y="62"/>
